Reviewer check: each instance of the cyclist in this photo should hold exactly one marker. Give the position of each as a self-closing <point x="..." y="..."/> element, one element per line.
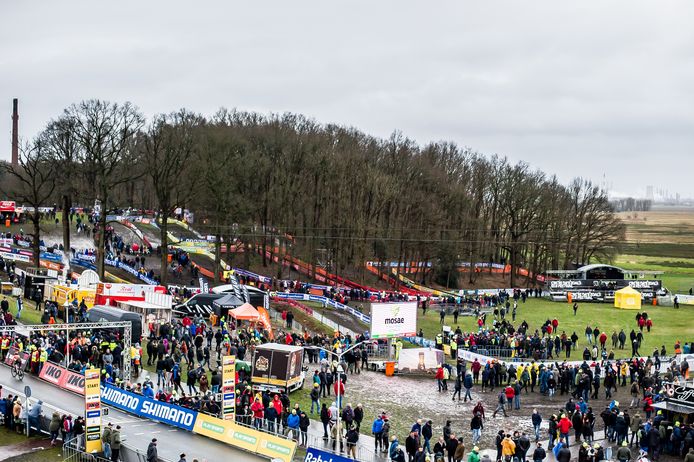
<point x="17" y="367"/>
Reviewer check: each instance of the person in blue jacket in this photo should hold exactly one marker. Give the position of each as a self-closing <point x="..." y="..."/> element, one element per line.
<point x="377" y="431"/>
<point x="293" y="424"/>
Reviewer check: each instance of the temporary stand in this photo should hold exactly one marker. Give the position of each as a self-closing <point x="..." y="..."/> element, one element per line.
<point x="27" y="329"/>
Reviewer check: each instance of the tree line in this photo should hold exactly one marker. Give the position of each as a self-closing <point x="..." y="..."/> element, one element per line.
<point x="331" y="195"/>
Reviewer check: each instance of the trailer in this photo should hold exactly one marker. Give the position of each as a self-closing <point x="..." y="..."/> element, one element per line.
<point x="278" y="368"/>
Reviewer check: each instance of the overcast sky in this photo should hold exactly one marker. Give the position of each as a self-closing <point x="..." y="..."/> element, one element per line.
<point x="581" y="88"/>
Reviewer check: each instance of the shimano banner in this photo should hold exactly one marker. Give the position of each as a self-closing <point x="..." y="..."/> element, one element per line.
<point x="148" y="408"/>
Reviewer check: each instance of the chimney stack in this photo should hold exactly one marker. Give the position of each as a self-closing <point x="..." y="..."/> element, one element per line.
<point x="15" y="133"/>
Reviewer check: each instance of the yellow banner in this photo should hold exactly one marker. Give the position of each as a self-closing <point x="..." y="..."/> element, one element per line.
<point x="92" y="410"/>
<point x="249" y="439"/>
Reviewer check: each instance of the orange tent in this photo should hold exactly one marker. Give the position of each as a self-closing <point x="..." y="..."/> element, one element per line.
<point x="245" y="312"/>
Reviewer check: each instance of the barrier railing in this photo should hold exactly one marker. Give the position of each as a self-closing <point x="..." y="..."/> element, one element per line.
<point x="325" y="301"/>
<point x="320" y="318"/>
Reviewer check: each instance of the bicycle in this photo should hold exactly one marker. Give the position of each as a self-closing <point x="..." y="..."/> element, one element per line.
<point x="17" y="371"/>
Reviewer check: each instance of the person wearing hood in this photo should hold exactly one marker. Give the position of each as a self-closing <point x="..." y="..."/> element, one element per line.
<point x="690" y="456"/>
<point x="635" y="424"/>
<point x="474" y="455"/>
<point x="394" y="446"/>
<point x="106" y="440"/>
<point x="34" y="416"/>
<point x="54" y="427"/>
<point x="624" y="453"/>
<point x="508" y="448"/>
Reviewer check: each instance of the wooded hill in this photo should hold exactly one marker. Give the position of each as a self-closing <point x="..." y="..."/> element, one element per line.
<point x="331" y="195"/>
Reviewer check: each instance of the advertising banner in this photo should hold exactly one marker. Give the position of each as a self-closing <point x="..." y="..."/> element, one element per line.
<point x="229" y="388"/>
<point x="393" y="319"/>
<point x="15" y="256"/>
<point x="51" y="257"/>
<point x="420" y="360"/>
<point x="271" y="446"/>
<point x="62" y="377"/>
<point x="317" y="455"/>
<point x="23" y="357"/>
<point x="92" y="410"/>
<point x="148" y="408"/>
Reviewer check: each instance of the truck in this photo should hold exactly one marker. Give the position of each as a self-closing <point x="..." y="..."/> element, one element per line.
<point x="278" y="368"/>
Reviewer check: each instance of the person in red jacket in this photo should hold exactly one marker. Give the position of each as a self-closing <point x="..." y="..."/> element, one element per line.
<point x="564" y="427"/>
<point x="510" y="394"/>
<point x="258" y="412"/>
<point x="277" y="404"/>
<point x="603" y="339"/>
<point x="339" y="392"/>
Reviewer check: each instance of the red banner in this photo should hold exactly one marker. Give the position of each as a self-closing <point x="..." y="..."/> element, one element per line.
<point x="63" y="378"/>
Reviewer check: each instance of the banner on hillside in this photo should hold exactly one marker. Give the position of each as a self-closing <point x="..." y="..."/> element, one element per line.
<point x="229" y="388"/>
<point x="92" y="410"/>
<point x="390" y="320"/>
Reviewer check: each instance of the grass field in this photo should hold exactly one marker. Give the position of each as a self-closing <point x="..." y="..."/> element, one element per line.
<point x="661" y="240"/>
<point x="9" y="439"/>
<point x="669" y="324"/>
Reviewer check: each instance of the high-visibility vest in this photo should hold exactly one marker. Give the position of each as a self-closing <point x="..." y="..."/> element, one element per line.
<point x="44" y="356"/>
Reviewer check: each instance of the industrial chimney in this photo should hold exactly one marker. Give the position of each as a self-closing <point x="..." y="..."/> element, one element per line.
<point x="15" y="133"/>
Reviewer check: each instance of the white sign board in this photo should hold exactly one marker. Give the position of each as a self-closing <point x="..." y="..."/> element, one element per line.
<point x="393" y="319"/>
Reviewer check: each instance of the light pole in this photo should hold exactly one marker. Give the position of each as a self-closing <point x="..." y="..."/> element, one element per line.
<point x="339" y="379"/>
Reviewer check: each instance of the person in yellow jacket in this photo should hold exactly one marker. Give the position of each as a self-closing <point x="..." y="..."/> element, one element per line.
<point x="4" y="346"/>
<point x="34" y="360"/>
<point x="43" y="357"/>
<point x="508" y="448"/>
<point x="519" y="372"/>
<point x="135" y="355"/>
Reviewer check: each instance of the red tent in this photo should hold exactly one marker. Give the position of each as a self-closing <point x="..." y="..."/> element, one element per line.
<point x="245" y="312"/>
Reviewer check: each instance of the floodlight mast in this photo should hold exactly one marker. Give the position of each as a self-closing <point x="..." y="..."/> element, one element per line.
<point x="127" y="334"/>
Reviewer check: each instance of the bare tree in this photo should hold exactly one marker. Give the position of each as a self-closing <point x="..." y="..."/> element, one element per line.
<point x="168" y="149"/>
<point x="59" y="138"/>
<point x="35" y="180"/>
<point x="105" y="133"/>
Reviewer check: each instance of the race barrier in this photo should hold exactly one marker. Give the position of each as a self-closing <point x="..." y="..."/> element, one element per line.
<point x="245" y="438"/>
<point x="131" y="270"/>
<point x="148" y="408"/>
<point x="228" y="432"/>
<point x="62" y="377"/>
<point x="317" y="316"/>
<point x="325" y="301"/>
